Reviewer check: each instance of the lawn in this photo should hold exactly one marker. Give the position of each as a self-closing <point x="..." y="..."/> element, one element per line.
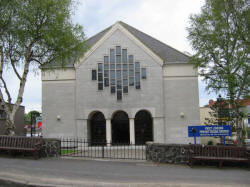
<point x="68" y="151"/>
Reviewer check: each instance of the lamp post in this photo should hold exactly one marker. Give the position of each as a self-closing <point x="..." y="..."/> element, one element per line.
<point x="193" y="130"/>
<point x="33" y="116"/>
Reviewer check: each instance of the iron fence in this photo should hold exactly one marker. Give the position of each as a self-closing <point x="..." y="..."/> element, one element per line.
<point x="75" y="147"/>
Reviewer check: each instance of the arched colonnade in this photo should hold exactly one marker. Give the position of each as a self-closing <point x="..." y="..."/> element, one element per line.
<point x="120" y="129"/>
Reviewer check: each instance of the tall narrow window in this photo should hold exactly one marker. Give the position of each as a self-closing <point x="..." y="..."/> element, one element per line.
<point x="112" y="56"/>
<point x="125" y="85"/>
<point x="125" y="74"/>
<point x="118" y="59"/>
<point x="112" y="82"/>
<point x="137" y="85"/>
<point x="137" y="75"/>
<point x="137" y="66"/>
<point x="112" y="89"/>
<point x="118" y="66"/>
<point x="119" y="95"/>
<point x="125" y="89"/>
<point x="100" y="68"/>
<point x="94" y="74"/>
<point x="119" y="84"/>
<point x="124" y="55"/>
<point x="118" y="75"/>
<point x="112" y="66"/>
<point x="106" y="82"/>
<point x="131" y="81"/>
<point x="143" y="73"/>
<point x="131" y="59"/>
<point x="125" y="82"/>
<point x="125" y="66"/>
<point x="112" y="74"/>
<point x="118" y="50"/>
<point x="106" y="71"/>
<point x="131" y="74"/>
<point x="106" y="59"/>
<point x="100" y="76"/>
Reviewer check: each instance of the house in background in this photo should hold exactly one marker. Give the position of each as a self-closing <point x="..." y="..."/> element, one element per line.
<point x="204" y="114"/>
<point x="128" y="88"/>
<point x="245" y="107"/>
<point x="19" y="121"/>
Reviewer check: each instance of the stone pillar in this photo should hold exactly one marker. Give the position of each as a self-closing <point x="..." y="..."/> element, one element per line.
<point x="108" y="131"/>
<point x="132" y="130"/>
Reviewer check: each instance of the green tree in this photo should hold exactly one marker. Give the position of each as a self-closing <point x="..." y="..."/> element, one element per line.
<point x="219" y="36"/>
<point x="35" y="33"/>
<point x="27" y="117"/>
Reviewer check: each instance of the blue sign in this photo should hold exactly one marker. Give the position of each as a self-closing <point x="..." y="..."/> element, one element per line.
<point x="209" y="130"/>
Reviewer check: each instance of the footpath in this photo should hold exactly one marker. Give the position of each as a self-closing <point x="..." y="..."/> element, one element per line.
<point x="108" y="173"/>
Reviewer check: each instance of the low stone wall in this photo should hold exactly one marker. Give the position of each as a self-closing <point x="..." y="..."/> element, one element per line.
<point x="51" y="147"/>
<point x="167" y="153"/>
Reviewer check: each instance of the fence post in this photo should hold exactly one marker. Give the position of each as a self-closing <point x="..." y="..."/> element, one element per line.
<point x="103" y="150"/>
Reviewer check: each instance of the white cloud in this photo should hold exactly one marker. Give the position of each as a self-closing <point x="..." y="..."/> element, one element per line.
<point x="167" y="20"/>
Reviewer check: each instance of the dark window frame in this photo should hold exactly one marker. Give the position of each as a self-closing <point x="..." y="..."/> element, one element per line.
<point x="112" y="56"/>
<point x="143" y="73"/>
<point x="118" y="50"/>
<point x="112" y="89"/>
<point x="106" y="82"/>
<point x="94" y="75"/>
<point x="119" y="95"/>
<point x="100" y="85"/>
<point x="125" y="89"/>
<point x="124" y="56"/>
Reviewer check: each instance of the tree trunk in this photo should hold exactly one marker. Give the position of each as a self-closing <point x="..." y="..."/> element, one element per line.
<point x="10" y="126"/>
<point x="8" y="107"/>
<point x="239" y="130"/>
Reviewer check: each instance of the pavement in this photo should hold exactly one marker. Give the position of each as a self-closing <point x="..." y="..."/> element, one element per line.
<point x="117" y="173"/>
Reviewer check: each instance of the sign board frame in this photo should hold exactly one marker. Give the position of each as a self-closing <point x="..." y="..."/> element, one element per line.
<point x="209" y="131"/>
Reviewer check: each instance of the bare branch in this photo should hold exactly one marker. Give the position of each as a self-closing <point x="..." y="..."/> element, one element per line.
<point x="33" y="59"/>
<point x="15" y="70"/>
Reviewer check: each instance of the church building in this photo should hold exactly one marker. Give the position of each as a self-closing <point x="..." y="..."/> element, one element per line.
<point x="128" y="88"/>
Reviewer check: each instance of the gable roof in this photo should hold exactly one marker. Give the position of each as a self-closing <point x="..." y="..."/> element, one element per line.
<point x="164" y="51"/>
<point x="92" y="40"/>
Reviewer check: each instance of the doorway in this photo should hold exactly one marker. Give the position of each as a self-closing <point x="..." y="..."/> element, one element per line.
<point x="120" y="128"/>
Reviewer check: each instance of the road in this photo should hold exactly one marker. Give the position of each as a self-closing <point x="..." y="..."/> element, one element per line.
<point x="83" y="172"/>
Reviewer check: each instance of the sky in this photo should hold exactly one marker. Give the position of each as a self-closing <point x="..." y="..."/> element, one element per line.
<point x="165" y="20"/>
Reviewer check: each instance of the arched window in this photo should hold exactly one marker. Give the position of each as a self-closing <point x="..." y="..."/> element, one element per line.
<point x="120" y="128"/>
<point x="98" y="128"/>
<point x="143" y="127"/>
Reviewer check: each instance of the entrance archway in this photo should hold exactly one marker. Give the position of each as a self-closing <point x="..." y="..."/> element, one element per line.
<point x="120" y="128"/>
<point x="143" y="127"/>
<point x="98" y="128"/>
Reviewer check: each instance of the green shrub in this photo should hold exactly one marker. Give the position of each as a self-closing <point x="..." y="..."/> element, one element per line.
<point x="210" y="142"/>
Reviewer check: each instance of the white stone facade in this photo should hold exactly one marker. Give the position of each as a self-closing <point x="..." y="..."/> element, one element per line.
<point x="169" y="94"/>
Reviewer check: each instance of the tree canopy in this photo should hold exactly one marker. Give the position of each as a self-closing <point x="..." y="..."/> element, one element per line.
<point x="35" y="33"/>
<point x="219" y="36"/>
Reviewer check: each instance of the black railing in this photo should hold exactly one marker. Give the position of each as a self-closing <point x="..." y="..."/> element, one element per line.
<point x="75" y="147"/>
